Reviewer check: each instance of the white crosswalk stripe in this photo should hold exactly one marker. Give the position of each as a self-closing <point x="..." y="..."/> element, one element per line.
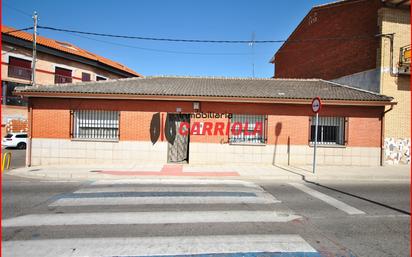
<point x="327" y="199"/>
<point x="151" y="246"/>
<point x="121" y="193"/>
<point x="146" y="218"/>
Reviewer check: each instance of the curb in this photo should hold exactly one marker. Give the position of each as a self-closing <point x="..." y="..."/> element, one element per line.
<point x="78" y="177"/>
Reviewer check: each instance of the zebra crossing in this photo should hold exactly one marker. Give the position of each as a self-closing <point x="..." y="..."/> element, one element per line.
<point x="134" y="203"/>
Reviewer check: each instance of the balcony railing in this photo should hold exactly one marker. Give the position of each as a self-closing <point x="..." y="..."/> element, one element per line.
<point x="19" y="72"/>
<point x="60" y="79"/>
<point x="404" y="66"/>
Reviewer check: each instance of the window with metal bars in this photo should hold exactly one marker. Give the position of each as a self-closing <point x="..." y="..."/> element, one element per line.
<point x="245" y="134"/>
<point x="19" y="68"/>
<point x="95" y="124"/>
<point x="331" y="130"/>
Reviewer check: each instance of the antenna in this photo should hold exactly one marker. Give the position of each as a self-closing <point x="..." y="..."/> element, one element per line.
<point x="252" y="44"/>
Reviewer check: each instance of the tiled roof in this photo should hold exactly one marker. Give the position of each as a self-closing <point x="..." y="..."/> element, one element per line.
<point x="68" y="48"/>
<point x="216" y="87"/>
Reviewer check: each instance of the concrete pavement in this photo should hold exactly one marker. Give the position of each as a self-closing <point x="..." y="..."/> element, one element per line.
<point x="160" y="171"/>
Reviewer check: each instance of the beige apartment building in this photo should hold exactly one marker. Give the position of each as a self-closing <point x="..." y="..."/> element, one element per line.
<point x="368" y="47"/>
<point x="394" y="79"/>
<point x="57" y="63"/>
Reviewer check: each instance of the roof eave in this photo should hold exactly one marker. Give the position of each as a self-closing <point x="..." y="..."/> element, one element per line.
<point x="201" y="98"/>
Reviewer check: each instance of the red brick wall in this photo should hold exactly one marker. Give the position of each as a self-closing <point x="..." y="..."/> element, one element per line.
<point x="51" y="119"/>
<point x="329" y="59"/>
<point x="51" y="123"/>
<point x="364" y="132"/>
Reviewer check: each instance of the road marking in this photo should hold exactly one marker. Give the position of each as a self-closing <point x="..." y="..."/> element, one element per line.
<point x="260" y="199"/>
<point x="174" y="182"/>
<point x="131" y="188"/>
<point x="123" y="193"/>
<point x="150" y="246"/>
<point x="117" y="218"/>
<point x="327" y="199"/>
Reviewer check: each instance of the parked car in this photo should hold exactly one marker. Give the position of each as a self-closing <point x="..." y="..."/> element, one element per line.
<point x="18" y="140"/>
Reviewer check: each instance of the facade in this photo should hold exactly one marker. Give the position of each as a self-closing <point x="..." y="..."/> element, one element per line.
<point x="215" y="120"/>
<point x="57" y="63"/>
<point x="364" y="44"/>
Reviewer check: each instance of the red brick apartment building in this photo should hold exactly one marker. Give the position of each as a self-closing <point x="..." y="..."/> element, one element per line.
<point x="361" y="43"/>
<point x="57" y="63"/>
<point x="124" y="121"/>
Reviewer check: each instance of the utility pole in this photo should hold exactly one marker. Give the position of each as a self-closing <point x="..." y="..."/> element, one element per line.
<point x="33" y="83"/>
<point x="33" y="66"/>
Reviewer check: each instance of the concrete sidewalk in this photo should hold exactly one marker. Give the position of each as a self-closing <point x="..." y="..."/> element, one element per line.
<point x="399" y="173"/>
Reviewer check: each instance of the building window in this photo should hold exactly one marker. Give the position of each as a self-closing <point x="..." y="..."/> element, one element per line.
<point x="7" y="94"/>
<point x="85" y="76"/>
<point x="98" y="78"/>
<point x="95" y="124"/>
<point x="19" y="68"/>
<point x="248" y="129"/>
<point x="62" y="76"/>
<point x="331" y="130"/>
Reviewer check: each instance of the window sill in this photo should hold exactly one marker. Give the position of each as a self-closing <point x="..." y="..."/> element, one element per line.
<point x="249" y="144"/>
<point x="327" y="145"/>
<point x="95" y="140"/>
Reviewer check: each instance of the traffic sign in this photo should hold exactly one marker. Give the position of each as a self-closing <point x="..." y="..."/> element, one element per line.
<point x="316" y="104"/>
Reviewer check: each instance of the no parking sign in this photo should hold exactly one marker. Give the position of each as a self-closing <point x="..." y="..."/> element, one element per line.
<point x="316" y="104"/>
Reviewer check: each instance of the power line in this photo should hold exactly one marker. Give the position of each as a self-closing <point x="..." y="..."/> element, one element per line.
<point x="359" y="37"/>
<point x="17" y="10"/>
<point x="162" y="39"/>
<point x="156" y="50"/>
<point x="17" y="30"/>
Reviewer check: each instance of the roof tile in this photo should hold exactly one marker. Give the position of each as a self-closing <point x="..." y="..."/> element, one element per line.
<point x="217" y="87"/>
<point x="68" y="48"/>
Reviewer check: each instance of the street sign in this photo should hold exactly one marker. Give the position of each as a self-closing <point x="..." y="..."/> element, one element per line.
<point x="316" y="104"/>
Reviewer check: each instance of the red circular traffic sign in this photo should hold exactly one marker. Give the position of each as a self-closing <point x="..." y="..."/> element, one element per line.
<point x="316" y="104"/>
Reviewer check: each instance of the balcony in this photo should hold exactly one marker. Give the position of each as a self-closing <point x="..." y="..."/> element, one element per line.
<point x="19" y="72"/>
<point x="61" y="79"/>
<point x="404" y="65"/>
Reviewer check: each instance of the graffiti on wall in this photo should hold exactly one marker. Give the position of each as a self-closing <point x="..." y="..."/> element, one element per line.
<point x="397" y="151"/>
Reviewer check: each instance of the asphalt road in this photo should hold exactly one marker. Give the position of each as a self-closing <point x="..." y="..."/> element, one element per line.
<point x="137" y="218"/>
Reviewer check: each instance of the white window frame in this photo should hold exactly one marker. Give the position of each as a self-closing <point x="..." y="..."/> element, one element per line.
<point x="242" y="139"/>
<point x="335" y="121"/>
<point x="95" y="125"/>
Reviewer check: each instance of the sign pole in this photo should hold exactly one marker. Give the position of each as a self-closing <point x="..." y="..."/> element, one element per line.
<point x="316" y="106"/>
<point x="315" y="143"/>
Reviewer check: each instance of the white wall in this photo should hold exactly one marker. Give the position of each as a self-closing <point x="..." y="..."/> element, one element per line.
<point x="66" y="152"/>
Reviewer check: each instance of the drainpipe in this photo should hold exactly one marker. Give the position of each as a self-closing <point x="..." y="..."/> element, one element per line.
<point x="390" y="36"/>
<point x="383" y="135"/>
<point x="30" y="121"/>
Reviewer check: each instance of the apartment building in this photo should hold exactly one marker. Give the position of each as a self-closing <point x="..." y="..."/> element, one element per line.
<point x="361" y="43"/>
<point x="57" y="63"/>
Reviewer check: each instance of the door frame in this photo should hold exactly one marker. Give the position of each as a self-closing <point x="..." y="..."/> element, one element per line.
<point x="177" y="131"/>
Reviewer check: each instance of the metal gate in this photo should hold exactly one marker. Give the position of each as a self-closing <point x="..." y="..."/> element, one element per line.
<point x="178" y="151"/>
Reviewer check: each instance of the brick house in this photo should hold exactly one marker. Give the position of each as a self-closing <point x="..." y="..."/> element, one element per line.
<point x="57" y="63"/>
<point x="131" y="121"/>
<point x="362" y="43"/>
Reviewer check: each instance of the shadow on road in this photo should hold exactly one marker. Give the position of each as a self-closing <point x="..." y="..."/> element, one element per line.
<point x="343" y="192"/>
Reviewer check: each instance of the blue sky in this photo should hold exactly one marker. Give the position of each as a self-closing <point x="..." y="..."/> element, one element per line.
<point x="211" y="19"/>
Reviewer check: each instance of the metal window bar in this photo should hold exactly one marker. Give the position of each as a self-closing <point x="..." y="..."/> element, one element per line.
<point x="249" y="137"/>
<point x="405" y="55"/>
<point x="331" y="130"/>
<point x="95" y="124"/>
